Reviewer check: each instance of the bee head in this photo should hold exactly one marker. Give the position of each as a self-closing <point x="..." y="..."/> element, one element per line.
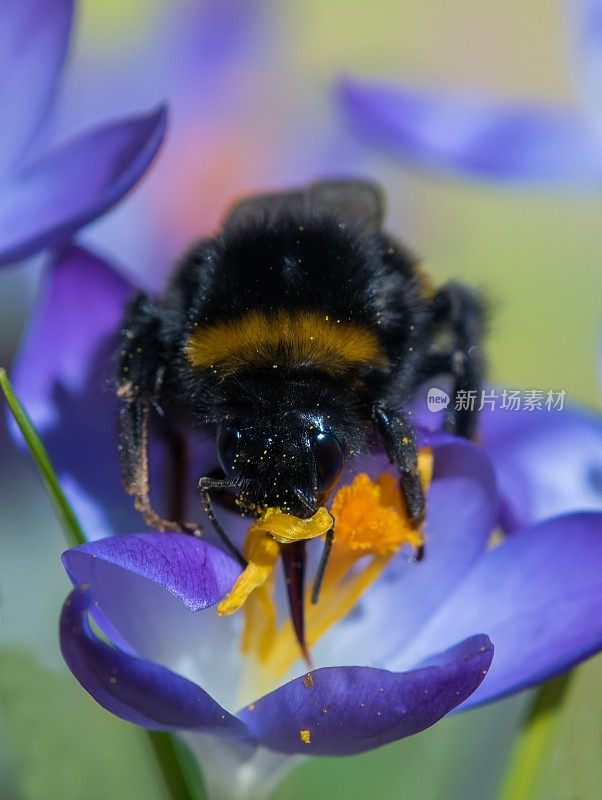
<point x="292" y="465"/>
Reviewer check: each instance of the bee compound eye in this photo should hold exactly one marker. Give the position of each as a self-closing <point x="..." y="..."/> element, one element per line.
<point x="228" y="448"/>
<point x="329" y="459"/>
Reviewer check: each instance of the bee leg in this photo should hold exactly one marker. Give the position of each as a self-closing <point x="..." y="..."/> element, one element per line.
<point x="133" y="448"/>
<point x="400" y="443"/>
<point x="460" y="311"/>
<point x="141" y="367"/>
<point x="315" y="592"/>
<point x="205" y="486"/>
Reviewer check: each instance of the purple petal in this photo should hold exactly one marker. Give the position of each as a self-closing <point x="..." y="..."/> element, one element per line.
<point x="349" y="710"/>
<point x="219" y="34"/>
<point x="146" y="587"/>
<point x="133" y="689"/>
<point x="471" y="137"/>
<point x="538" y="596"/>
<point x="547" y="463"/>
<point x="33" y="43"/>
<point x="54" y="197"/>
<point x="195" y="572"/>
<point x="63" y="374"/>
<point x="586" y="19"/>
<point x="461" y="514"/>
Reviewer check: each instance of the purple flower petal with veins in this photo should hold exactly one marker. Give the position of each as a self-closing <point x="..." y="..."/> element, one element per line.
<point x="134" y="689"/>
<point x="349" y="709"/>
<point x="346" y="710"/>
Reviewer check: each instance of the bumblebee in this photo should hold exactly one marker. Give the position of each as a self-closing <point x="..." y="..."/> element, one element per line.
<point x="298" y="334"/>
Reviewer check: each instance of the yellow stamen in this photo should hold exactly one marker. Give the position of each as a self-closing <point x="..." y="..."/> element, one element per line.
<point x="370" y="516"/>
<point x="262" y="551"/>
<point x="372" y="524"/>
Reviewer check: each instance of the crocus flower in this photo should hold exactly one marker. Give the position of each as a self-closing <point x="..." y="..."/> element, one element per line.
<point x="415" y="645"/>
<point x="480" y="138"/>
<point x="45" y="196"/>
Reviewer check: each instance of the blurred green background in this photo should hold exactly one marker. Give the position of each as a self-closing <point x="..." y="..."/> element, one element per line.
<point x="537" y="254"/>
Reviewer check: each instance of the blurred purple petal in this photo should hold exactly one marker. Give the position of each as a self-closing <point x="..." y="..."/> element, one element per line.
<point x="585" y="17"/>
<point x="461" y="514"/>
<point x="472" y="137"/>
<point x="219" y="34"/>
<point x="547" y="463"/>
<point x="76" y="183"/>
<point x="346" y="710"/>
<point x="135" y="690"/>
<point x="63" y="374"/>
<point x="538" y="595"/>
<point x="33" y="42"/>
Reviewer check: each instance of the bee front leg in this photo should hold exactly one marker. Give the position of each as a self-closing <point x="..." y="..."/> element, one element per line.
<point x="141" y="357"/>
<point x="400" y="443"/>
<point x="133" y="450"/>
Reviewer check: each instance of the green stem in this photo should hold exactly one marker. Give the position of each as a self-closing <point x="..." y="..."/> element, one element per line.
<point x="534" y="741"/>
<point x="72" y="529"/>
<point x="182" y="778"/>
<point x="178" y="767"/>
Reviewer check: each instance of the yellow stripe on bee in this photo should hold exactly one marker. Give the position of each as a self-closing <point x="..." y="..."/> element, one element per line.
<point x="283" y="339"/>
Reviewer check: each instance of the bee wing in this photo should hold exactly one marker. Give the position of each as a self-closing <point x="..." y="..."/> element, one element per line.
<point x="355" y="202"/>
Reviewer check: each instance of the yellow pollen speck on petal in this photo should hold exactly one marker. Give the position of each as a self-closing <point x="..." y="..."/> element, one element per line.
<point x="496" y="539"/>
<point x="305" y="737"/>
<point x="308" y="681"/>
